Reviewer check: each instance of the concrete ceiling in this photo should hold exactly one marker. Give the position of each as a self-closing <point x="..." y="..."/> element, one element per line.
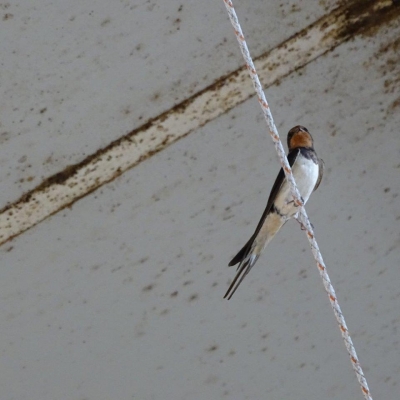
<point x="136" y="163"/>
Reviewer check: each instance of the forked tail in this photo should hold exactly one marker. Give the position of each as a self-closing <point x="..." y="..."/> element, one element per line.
<point x="246" y="259"/>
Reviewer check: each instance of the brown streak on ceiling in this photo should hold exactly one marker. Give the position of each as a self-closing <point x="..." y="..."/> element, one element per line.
<point x="362" y="17"/>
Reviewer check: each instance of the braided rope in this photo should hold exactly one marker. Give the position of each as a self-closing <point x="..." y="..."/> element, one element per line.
<point x="303" y="218"/>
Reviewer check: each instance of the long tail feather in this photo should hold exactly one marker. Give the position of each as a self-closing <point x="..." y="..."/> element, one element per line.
<point x="243" y="269"/>
<point x="244" y="251"/>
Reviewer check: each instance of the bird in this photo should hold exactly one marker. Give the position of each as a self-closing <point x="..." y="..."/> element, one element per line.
<point x="307" y="170"/>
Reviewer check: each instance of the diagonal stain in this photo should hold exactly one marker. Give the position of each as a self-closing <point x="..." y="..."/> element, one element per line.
<point x="362" y="17"/>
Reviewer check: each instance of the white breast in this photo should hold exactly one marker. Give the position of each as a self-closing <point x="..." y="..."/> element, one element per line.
<point x="305" y="173"/>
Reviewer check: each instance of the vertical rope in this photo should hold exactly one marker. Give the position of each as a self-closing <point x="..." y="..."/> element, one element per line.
<point x="297" y="198"/>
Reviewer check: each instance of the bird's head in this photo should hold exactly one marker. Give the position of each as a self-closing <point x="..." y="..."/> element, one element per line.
<point x="299" y="137"/>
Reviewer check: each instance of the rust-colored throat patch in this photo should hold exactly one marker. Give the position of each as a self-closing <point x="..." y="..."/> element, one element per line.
<point x="301" y="139"/>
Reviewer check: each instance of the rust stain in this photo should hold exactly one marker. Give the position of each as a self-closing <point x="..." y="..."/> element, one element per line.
<point x="390" y="68"/>
<point x="395" y="104"/>
<point x="365" y="17"/>
<point x="60" y="177"/>
<point x="385" y="62"/>
<point x="362" y="17"/>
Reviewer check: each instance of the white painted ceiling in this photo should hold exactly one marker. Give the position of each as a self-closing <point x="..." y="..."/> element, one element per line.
<point x="119" y="296"/>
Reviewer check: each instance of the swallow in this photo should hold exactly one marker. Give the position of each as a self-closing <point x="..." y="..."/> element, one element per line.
<point x="307" y="170"/>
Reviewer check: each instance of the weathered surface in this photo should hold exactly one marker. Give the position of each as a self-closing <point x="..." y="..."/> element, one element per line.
<point x="66" y="187"/>
<point x="121" y="296"/>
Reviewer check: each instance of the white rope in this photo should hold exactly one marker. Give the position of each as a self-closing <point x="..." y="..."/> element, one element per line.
<point x="297" y="198"/>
